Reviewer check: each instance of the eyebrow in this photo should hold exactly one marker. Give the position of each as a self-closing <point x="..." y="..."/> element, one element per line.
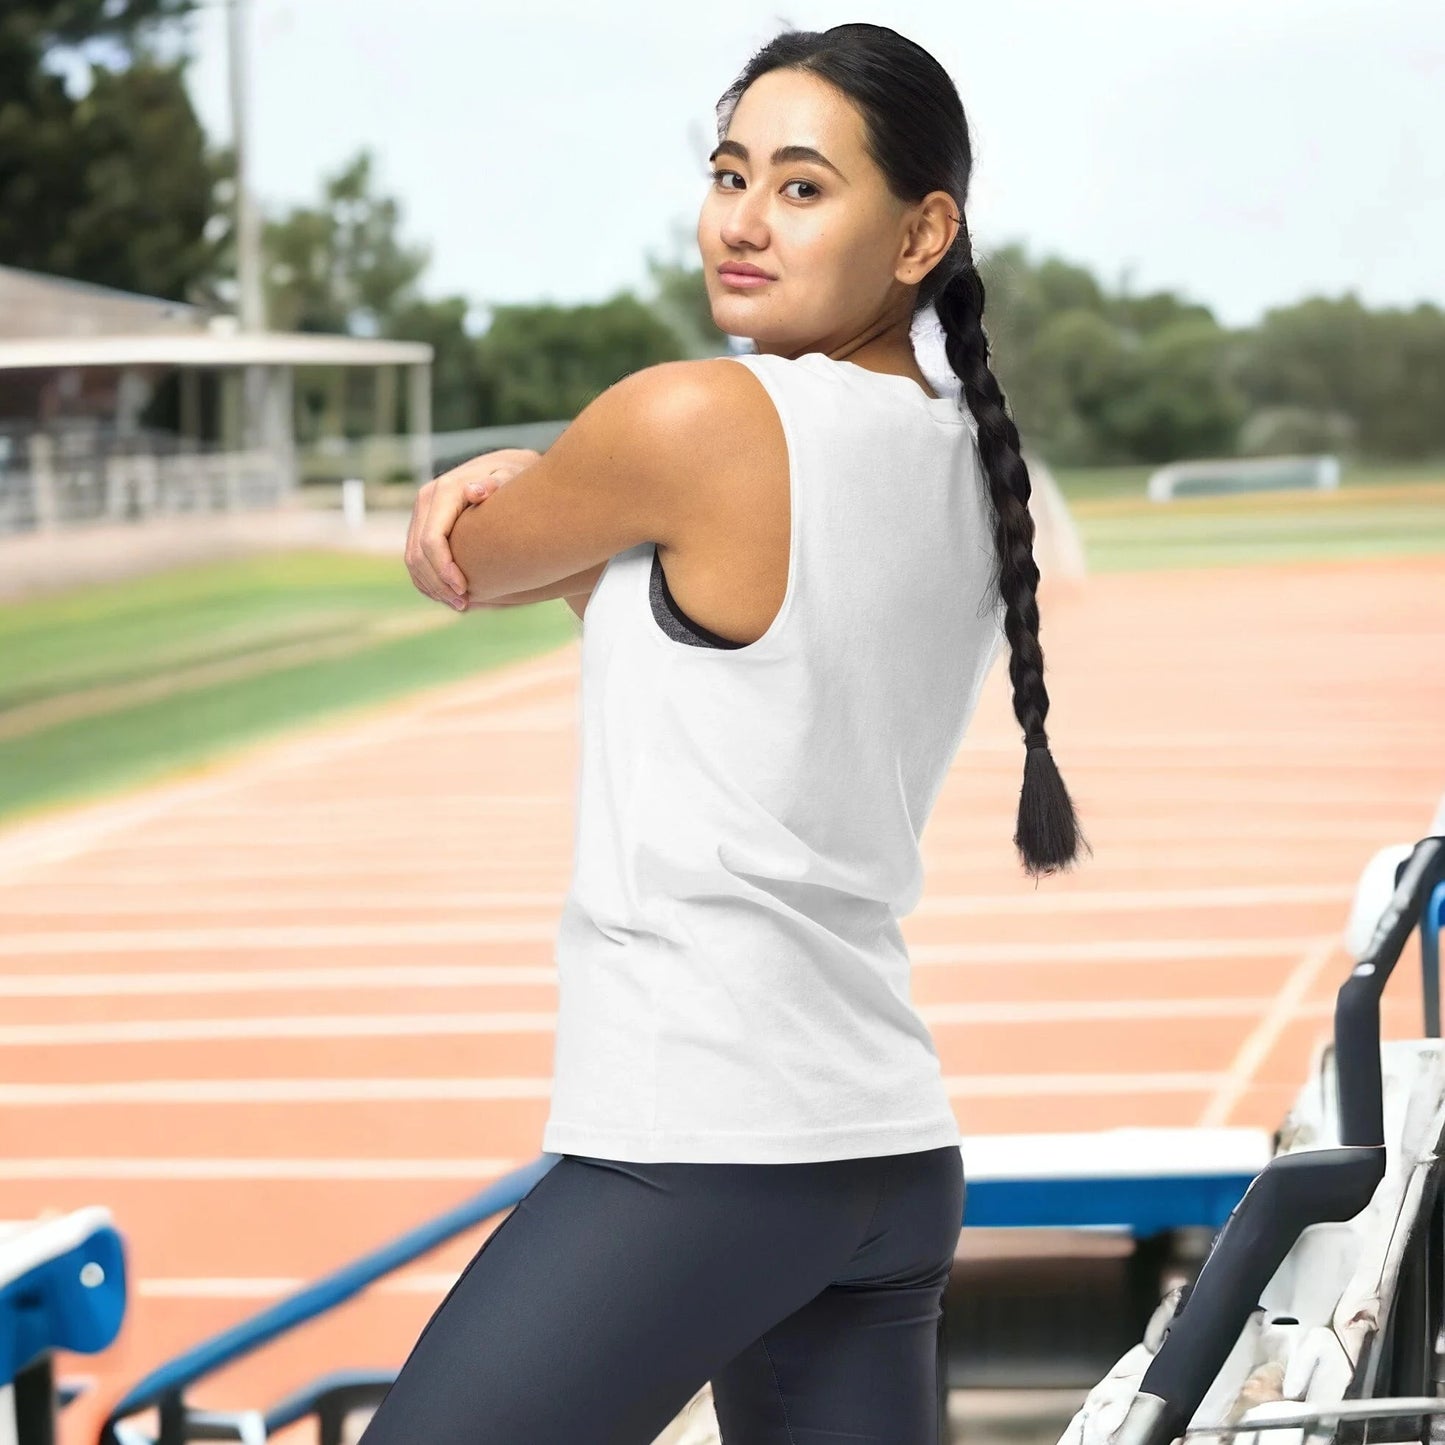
<point x="780" y="156"/>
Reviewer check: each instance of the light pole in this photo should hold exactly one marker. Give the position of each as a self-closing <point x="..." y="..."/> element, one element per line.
<point x="251" y="300"/>
<point x="262" y="391"/>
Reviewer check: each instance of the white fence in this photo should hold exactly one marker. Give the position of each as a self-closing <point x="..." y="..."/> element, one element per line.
<point x="52" y="480"/>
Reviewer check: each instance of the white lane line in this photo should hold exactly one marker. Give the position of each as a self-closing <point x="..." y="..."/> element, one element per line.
<point x="297" y="936"/>
<point x="275" y="980"/>
<point x="1004" y="1086"/>
<point x="167" y="899"/>
<point x="286" y="1026"/>
<point x="1251" y="744"/>
<point x="1134" y="900"/>
<point x="259" y="1287"/>
<point x="428" y="976"/>
<point x="1288" y="1005"/>
<point x="120" y="869"/>
<point x="370" y="1091"/>
<point x="465" y="1025"/>
<point x="163" y="890"/>
<point x="313" y="1170"/>
<point x="273" y="1091"/>
<point x="1132" y="842"/>
<point x="1101" y="1011"/>
<point x="158" y="940"/>
<point x="1124" y="950"/>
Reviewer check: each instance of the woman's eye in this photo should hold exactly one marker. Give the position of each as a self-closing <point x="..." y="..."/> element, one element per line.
<point x="719" y="174"/>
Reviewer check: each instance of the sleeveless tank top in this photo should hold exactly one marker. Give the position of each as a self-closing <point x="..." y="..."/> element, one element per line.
<point x="733" y="985"/>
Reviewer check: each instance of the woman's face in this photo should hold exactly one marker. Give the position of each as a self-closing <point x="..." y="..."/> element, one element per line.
<point x="842" y="251"/>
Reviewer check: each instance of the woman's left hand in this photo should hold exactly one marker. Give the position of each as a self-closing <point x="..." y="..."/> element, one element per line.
<point x="438" y="504"/>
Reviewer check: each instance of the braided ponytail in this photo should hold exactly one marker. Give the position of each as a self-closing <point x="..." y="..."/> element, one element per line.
<point x="1047" y="835"/>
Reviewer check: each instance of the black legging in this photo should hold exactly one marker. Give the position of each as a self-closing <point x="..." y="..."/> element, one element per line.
<point x="809" y="1294"/>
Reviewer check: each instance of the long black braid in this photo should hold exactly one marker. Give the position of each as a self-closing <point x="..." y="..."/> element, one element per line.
<point x="1047" y="835"/>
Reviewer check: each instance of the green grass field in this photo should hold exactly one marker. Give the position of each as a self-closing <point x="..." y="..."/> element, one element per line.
<point x="115" y="685"/>
<point x="1088" y="484"/>
<point x="1131" y="533"/>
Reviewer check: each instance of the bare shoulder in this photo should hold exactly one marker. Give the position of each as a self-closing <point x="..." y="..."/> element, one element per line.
<point x="725" y="493"/>
<point x="705" y="441"/>
<point x="678" y="401"/>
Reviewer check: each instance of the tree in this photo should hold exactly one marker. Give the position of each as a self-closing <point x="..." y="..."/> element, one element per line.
<point x="106" y="178"/>
<point x="461" y="394"/>
<point x="1385" y="370"/>
<point x="546" y="362"/>
<point x="1174" y="398"/>
<point x="340" y="266"/>
<point x="680" y="300"/>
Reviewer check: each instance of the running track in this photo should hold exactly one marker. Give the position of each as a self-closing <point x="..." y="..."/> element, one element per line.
<point x="276" y="1013"/>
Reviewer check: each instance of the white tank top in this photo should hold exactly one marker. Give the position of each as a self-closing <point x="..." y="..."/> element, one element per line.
<point x="733" y="985"/>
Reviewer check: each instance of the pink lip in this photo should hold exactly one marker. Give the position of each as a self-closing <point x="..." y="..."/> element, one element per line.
<point x="744" y="278"/>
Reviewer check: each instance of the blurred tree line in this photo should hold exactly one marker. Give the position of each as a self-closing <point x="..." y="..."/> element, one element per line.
<point x="107" y="176"/>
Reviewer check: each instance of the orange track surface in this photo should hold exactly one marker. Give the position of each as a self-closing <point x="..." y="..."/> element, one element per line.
<point x="1238" y="743"/>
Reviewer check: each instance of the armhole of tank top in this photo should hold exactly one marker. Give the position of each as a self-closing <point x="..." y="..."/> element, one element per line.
<point x="762" y="645"/>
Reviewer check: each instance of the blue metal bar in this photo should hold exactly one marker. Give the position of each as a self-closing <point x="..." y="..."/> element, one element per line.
<point x="171" y="1379"/>
<point x="1142" y="1205"/>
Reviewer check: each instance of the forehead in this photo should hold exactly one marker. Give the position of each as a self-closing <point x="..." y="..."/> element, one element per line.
<point x="791" y="107"/>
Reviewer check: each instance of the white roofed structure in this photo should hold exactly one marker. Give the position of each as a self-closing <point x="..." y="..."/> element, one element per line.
<point x="78" y="359"/>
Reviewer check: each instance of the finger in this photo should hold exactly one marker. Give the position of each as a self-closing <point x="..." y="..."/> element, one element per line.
<point x="480" y="488"/>
<point x="411" y="528"/>
<point x="418" y="565"/>
<point x="437" y="556"/>
<point x="409" y="553"/>
<point x="449" y="504"/>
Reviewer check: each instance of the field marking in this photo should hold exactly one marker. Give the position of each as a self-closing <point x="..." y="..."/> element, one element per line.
<point x="67" y="707"/>
<point x="168" y="879"/>
<point x="116" y="1170"/>
<point x="48" y="838"/>
<point x="468" y="1090"/>
<point x="1101" y="1011"/>
<point x="341" y="901"/>
<point x="469" y="1025"/>
<point x="258" y="1287"/>
<point x="1288" y="1005"/>
<point x="309" y="826"/>
<point x="293" y="1026"/>
<point x="1076" y="950"/>
<point x="440" y="976"/>
<point x="1361" y="495"/>
<point x="260" y="937"/>
<point x="296" y="936"/>
<point x="276" y="980"/>
<point x="1131" y="900"/>
<point x="1003" y="1086"/>
<point x="273" y="1091"/>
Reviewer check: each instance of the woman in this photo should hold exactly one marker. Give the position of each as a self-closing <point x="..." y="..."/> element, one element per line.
<point x="794" y="568"/>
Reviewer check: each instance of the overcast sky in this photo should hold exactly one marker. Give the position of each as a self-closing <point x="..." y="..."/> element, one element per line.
<point x="1245" y="153"/>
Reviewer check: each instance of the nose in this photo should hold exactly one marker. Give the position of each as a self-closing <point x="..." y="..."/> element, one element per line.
<point x="743" y="225"/>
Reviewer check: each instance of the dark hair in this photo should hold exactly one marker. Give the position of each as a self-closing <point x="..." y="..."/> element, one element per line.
<point x="916" y="134"/>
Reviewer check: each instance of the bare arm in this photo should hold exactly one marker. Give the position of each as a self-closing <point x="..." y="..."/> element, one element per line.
<point x="574" y="589"/>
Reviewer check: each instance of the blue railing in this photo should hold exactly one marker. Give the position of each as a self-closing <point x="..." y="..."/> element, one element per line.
<point x="164" y="1388"/>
